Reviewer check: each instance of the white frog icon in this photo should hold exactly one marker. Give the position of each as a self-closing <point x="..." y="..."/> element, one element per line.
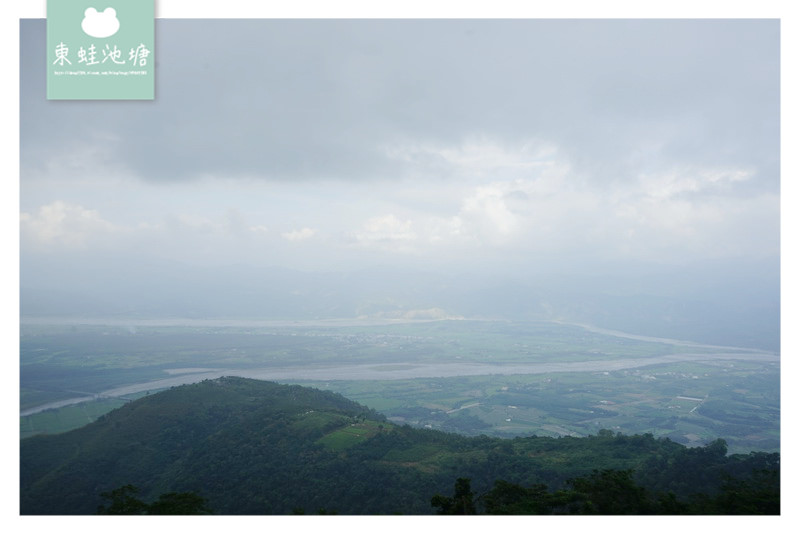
<point x="100" y="24"/>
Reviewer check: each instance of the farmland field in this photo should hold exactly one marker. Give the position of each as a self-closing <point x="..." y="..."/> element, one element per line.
<point x="473" y="377"/>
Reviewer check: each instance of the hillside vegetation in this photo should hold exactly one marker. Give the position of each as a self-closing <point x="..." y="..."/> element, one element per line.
<point x="253" y="447"/>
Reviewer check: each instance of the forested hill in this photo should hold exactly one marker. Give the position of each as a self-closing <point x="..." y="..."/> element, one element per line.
<point x="255" y="447"/>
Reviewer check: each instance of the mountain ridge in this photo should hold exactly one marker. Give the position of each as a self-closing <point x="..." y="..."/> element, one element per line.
<point x="255" y="447"/>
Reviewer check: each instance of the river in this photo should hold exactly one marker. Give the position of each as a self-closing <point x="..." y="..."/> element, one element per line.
<point x="399" y="370"/>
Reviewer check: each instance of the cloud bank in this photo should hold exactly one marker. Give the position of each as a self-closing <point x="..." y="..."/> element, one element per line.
<point x="508" y="149"/>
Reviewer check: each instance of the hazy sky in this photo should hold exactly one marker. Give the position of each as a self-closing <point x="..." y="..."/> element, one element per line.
<point x="472" y="144"/>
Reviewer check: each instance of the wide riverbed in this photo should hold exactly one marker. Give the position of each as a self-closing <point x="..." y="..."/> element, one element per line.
<point x="399" y="370"/>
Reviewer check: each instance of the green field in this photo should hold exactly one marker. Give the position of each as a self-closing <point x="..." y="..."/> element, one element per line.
<point x="348" y="436"/>
<point x="691" y="402"/>
<point x="69" y="417"/>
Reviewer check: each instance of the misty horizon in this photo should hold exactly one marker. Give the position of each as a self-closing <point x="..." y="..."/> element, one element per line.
<point x="623" y="173"/>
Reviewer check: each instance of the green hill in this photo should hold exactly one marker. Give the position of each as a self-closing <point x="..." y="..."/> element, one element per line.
<point x="254" y="447"/>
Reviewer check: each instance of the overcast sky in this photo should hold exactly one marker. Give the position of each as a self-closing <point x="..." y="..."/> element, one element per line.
<point x="515" y="145"/>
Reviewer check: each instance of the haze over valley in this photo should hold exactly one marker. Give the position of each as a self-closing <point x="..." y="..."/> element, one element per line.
<point x="490" y="228"/>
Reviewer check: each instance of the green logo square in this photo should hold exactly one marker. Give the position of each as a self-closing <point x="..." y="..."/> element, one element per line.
<point x="100" y="49"/>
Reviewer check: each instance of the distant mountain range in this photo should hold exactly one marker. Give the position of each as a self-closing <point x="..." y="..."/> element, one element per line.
<point x="713" y="306"/>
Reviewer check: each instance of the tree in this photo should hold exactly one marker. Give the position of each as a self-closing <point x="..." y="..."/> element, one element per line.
<point x="610" y="492"/>
<point x="123" y="501"/>
<point x="462" y="502"/>
<point x="511" y="499"/>
<point x="179" y="503"/>
<point x="758" y="495"/>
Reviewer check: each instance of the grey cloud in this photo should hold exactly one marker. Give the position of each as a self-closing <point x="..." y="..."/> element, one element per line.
<point x="322" y="98"/>
<point x="512" y="157"/>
